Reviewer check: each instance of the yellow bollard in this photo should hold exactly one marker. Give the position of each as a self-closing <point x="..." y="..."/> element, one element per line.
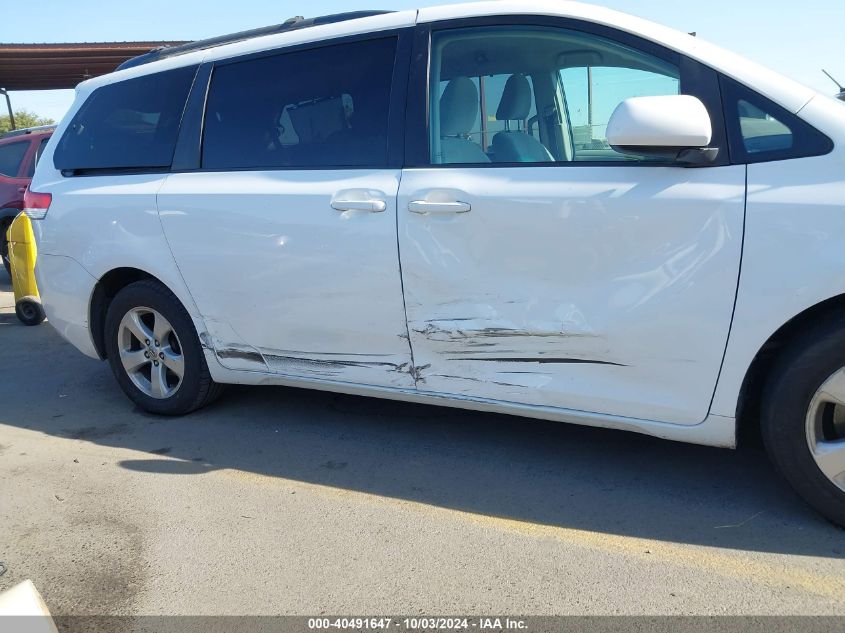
<point x="22" y="255"/>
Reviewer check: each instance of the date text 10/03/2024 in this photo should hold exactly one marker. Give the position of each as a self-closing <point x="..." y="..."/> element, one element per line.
<point x="419" y="623"/>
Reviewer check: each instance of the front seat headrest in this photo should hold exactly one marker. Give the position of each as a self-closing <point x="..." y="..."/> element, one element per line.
<point x="516" y="99"/>
<point x="458" y="107"/>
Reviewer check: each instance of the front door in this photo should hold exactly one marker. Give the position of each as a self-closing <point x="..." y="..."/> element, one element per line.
<point x="540" y="266"/>
<point x="286" y="236"/>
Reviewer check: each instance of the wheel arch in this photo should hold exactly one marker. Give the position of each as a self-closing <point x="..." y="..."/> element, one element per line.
<point x="7" y="214"/>
<point x="104" y="291"/>
<point x="758" y="372"/>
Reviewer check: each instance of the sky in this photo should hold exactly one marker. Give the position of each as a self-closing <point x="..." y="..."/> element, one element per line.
<point x="795" y="37"/>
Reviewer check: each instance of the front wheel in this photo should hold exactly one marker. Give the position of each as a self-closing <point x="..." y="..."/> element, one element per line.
<point x="803" y="420"/>
<point x="154" y="351"/>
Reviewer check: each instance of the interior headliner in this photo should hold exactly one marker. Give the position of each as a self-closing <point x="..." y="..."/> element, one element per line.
<point x="496" y="51"/>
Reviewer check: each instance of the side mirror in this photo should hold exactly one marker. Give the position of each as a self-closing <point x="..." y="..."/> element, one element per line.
<point x="674" y="127"/>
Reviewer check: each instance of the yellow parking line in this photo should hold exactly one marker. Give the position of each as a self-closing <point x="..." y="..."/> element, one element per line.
<point x="729" y="564"/>
<point x="726" y="563"/>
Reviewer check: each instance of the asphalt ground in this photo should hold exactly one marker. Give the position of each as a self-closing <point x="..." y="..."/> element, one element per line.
<point x="287" y="501"/>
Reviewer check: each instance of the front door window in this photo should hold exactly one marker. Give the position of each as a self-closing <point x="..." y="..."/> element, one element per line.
<point x="520" y="94"/>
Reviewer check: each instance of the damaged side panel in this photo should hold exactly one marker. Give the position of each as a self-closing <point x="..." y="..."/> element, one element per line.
<point x="293" y="272"/>
<point x="601" y="289"/>
<point x="361" y="368"/>
<point x="475" y="355"/>
<point x="231" y="350"/>
<point x="233" y="353"/>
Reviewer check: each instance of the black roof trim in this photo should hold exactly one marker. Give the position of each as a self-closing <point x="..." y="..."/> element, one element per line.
<point x="292" y="24"/>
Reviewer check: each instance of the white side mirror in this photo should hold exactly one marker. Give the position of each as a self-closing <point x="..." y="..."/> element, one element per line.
<point x="660" y="126"/>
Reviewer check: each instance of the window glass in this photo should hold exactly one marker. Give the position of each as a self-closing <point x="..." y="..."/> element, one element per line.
<point x="533" y="94"/>
<point x="30" y="171"/>
<point x="490" y="90"/>
<point x="760" y="130"/>
<point x="41" y="147"/>
<point x="324" y="107"/>
<point x="131" y="124"/>
<point x="11" y="155"/>
<point x="593" y="94"/>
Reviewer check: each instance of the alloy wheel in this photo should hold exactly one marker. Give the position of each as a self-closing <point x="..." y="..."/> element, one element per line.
<point x="826" y="428"/>
<point x="150" y="353"/>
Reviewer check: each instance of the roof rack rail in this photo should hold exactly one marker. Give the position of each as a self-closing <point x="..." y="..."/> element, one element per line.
<point x="292" y="24"/>
<point x="28" y="130"/>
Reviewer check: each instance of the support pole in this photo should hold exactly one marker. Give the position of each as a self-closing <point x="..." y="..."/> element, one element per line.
<point x="9" y="107"/>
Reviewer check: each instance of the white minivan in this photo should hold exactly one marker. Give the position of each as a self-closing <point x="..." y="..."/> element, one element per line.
<point x="540" y="208"/>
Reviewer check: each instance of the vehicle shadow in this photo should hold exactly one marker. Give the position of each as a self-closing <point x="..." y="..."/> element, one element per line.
<point x="526" y="470"/>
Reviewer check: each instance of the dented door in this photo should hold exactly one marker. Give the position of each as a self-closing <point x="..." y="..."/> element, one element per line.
<point x="284" y="225"/>
<point x="594" y="288"/>
<point x="294" y="272"/>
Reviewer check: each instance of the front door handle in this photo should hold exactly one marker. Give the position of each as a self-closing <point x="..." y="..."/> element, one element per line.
<point x="425" y="208"/>
<point x="373" y="206"/>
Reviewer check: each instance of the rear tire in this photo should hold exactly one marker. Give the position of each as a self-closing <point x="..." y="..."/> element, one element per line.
<point x="30" y="311"/>
<point x="803" y="422"/>
<point x="155" y="353"/>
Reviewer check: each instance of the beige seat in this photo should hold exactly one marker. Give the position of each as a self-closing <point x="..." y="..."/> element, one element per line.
<point x="517" y="146"/>
<point x="459" y="108"/>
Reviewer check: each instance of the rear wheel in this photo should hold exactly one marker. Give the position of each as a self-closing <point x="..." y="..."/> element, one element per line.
<point x="154" y="351"/>
<point x="804" y="417"/>
<point x="30" y="311"/>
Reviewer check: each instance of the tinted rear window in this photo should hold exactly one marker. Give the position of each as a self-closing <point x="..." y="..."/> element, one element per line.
<point x="131" y="124"/>
<point x="30" y="169"/>
<point x="11" y="155"/>
<point x="323" y="107"/>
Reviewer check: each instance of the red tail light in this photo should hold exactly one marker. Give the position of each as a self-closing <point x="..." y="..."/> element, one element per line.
<point x="36" y="205"/>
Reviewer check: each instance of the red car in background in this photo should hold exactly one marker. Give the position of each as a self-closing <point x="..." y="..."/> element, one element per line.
<point x="19" y="152"/>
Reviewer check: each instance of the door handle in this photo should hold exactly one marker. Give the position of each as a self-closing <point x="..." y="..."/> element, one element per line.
<point x="425" y="208"/>
<point x="373" y="206"/>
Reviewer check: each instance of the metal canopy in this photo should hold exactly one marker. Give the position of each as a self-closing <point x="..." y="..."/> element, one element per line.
<point x="54" y="66"/>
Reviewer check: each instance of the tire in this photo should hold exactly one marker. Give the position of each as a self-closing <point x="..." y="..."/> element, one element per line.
<point x="150" y="306"/>
<point x="30" y="311"/>
<point x="794" y="411"/>
<point x="4" y="247"/>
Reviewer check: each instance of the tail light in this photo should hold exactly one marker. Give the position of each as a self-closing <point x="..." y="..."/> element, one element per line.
<point x="36" y="205"/>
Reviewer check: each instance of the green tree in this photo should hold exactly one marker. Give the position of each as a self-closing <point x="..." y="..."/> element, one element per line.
<point x="23" y="118"/>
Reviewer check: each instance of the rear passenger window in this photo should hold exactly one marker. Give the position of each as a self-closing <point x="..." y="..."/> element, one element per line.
<point x="11" y="156"/>
<point x="41" y="146"/>
<point x="760" y="130"/>
<point x="130" y="124"/>
<point x="30" y="169"/>
<point x="323" y="107"/>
